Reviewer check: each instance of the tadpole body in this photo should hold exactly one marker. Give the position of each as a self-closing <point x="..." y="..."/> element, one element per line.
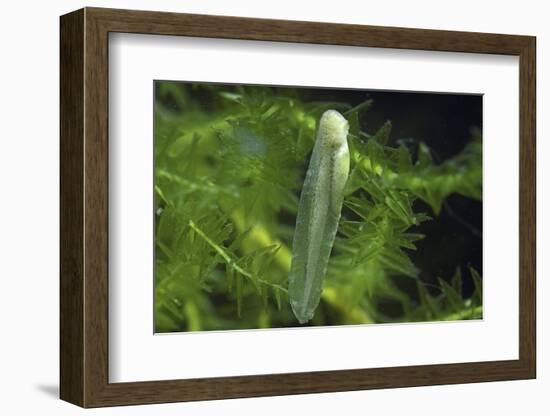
<point x="318" y="214"/>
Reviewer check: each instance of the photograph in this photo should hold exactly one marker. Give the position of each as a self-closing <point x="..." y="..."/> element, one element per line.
<point x="336" y="205"/>
<point x="283" y="206"/>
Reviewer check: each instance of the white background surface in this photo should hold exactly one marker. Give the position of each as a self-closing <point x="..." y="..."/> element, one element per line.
<point x="29" y="210"/>
<point x="136" y="355"/>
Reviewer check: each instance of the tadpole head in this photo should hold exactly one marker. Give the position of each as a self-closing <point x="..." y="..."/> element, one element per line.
<point x="333" y="129"/>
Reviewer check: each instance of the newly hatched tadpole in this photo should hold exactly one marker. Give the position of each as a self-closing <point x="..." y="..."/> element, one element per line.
<point x="318" y="214"/>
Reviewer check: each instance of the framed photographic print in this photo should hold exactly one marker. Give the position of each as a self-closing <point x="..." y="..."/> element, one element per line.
<point x="261" y="207"/>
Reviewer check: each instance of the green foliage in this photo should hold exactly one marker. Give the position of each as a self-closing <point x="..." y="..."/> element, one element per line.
<point x="229" y="169"/>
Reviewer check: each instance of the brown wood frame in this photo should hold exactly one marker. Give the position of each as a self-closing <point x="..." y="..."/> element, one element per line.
<point x="84" y="207"/>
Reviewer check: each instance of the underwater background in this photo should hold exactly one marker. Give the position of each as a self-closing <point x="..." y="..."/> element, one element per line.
<point x="230" y="161"/>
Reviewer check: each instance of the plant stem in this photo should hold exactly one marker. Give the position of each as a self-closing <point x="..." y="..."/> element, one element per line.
<point x="230" y="261"/>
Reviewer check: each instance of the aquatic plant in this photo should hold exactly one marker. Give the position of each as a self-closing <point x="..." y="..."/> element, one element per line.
<point x="230" y="166"/>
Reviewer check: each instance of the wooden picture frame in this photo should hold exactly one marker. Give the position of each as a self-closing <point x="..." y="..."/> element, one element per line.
<point x="84" y="207"/>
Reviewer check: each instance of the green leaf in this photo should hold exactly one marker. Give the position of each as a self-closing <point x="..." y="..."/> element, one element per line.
<point x="453" y="297"/>
<point x="382" y="136"/>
